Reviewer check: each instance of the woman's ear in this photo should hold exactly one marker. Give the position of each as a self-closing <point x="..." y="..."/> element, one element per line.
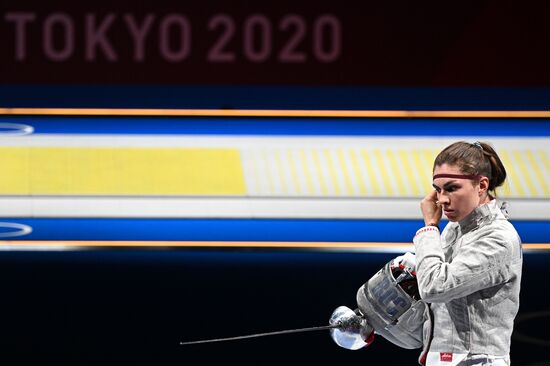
<point x="483" y="185"/>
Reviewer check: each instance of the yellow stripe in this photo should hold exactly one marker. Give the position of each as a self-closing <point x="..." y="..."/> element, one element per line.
<point x="427" y="161"/>
<point x="409" y="172"/>
<point x="371" y="174"/>
<point x="318" y="168"/>
<point x="397" y="173"/>
<point x="424" y="174"/>
<point x="538" y="172"/>
<point x="525" y="172"/>
<point x="505" y="189"/>
<point x="332" y="172"/>
<point x="15" y="165"/>
<point x="357" y="172"/>
<point x="511" y="171"/>
<point x="233" y="244"/>
<point x="345" y="172"/>
<point x="293" y="172"/>
<point x="121" y="171"/>
<point x="270" y="113"/>
<point x="381" y="165"/>
<point x="545" y="161"/>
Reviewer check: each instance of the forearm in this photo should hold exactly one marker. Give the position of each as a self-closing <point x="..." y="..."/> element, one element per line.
<point x="430" y="261"/>
<point x="480" y="264"/>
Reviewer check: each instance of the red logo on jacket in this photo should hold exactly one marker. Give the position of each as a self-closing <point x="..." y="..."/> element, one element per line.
<point x="446" y="356"/>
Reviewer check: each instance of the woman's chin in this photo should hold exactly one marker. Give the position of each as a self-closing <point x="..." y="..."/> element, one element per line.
<point x="451" y="216"/>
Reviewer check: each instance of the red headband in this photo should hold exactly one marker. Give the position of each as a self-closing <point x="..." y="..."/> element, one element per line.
<point x="458" y="176"/>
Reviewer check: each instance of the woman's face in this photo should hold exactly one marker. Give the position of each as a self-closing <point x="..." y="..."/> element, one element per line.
<point x="458" y="197"/>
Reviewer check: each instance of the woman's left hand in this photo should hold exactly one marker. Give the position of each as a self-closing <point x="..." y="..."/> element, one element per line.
<point x="431" y="209"/>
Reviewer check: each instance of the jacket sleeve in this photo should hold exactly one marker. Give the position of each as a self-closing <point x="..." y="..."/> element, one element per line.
<point x="482" y="261"/>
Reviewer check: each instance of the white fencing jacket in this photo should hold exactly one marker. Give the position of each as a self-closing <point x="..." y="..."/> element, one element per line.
<point x="470" y="275"/>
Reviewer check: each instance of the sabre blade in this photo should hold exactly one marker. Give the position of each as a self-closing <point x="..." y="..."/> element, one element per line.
<point x="256" y="335"/>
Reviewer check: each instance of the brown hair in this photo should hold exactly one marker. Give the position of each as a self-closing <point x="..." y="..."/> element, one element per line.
<point x="478" y="158"/>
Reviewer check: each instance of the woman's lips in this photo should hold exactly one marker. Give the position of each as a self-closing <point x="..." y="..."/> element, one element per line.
<point x="449" y="212"/>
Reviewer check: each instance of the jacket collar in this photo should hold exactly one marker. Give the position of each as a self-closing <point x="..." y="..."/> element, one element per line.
<point x="481" y="215"/>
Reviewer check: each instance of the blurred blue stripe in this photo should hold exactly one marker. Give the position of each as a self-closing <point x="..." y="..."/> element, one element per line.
<point x="306" y="230"/>
<point x="286" y="126"/>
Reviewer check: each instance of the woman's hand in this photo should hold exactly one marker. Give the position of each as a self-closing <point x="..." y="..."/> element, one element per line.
<point x="431" y="209"/>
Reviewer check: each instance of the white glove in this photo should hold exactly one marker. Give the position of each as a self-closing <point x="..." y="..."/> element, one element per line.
<point x="406" y="262"/>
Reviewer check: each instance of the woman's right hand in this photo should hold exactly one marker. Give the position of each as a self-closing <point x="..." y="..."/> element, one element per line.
<point x="431" y="209"/>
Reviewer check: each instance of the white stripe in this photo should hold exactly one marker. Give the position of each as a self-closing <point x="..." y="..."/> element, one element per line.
<point x="248" y="171"/>
<point x="260" y="173"/>
<point x="281" y="142"/>
<point x="229" y="207"/>
<point x="268" y="165"/>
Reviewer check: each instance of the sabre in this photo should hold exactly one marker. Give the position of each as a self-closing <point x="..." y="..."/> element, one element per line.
<point x="257" y="335"/>
<point x="347" y="328"/>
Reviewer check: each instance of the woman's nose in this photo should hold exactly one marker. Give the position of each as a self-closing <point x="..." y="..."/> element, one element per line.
<point x="443" y="199"/>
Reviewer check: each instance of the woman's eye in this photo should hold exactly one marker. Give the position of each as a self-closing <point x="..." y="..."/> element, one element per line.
<point x="451" y="188"/>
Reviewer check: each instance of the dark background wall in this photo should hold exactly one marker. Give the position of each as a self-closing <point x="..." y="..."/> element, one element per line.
<point x="471" y="43"/>
<point x="133" y="307"/>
